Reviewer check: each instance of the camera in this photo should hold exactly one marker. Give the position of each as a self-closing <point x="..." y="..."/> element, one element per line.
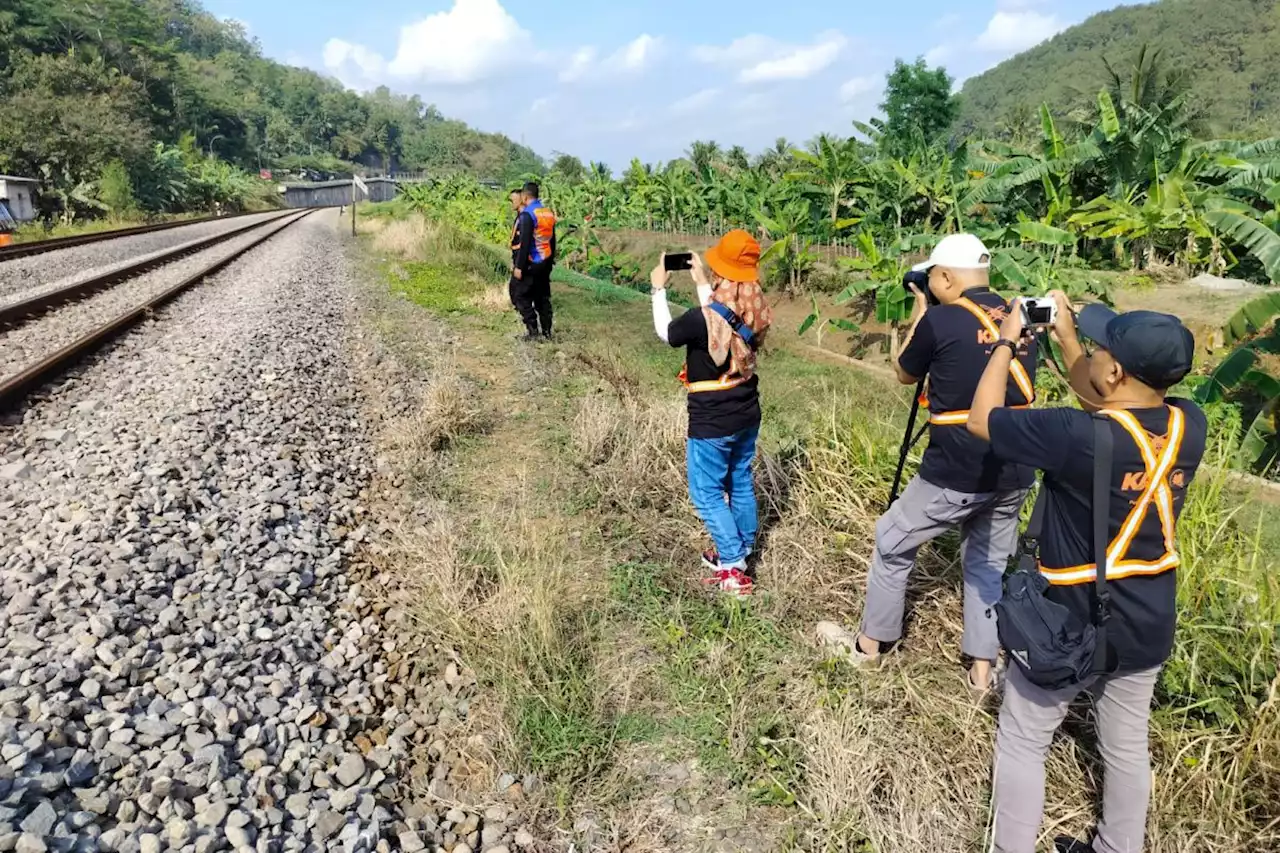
<point x="1039" y="312"/>
<point x="921" y="281"/>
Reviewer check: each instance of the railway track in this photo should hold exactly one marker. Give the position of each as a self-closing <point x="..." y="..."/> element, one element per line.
<point x="36" y="247"/>
<point x="15" y="312"/>
<point x="15" y="385"/>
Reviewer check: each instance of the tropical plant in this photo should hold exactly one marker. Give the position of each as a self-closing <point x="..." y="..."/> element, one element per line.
<point x="1249" y="376"/>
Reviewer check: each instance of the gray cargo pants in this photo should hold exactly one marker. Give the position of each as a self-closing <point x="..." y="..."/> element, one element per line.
<point x="1029" y="717"/>
<point x="988" y="533"/>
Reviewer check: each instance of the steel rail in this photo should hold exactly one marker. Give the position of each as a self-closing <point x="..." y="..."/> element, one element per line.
<point x="18" y="385"/>
<point x="15" y="313"/>
<point x="36" y="247"/>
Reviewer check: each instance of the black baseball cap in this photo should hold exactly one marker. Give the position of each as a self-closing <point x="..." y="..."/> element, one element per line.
<point x="1154" y="348"/>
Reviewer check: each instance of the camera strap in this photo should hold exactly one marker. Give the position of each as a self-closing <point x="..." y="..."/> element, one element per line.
<point x="1103" y="452"/>
<point x="740" y="328"/>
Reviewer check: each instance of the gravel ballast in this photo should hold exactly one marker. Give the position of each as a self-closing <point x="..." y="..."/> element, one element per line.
<point x="26" y="344"/>
<point x="22" y="278"/>
<point x="188" y="660"/>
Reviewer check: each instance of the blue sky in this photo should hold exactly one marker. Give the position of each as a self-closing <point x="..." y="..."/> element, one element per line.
<point x="611" y="80"/>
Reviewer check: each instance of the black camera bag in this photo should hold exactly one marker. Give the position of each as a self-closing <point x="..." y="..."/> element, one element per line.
<point x="1052" y="646"/>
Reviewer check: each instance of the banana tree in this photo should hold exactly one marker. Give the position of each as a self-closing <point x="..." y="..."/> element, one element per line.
<point x="833" y="170"/>
<point x="1244" y="376"/>
<point x="816" y="321"/>
<point x="882" y="288"/>
<point x="790" y="251"/>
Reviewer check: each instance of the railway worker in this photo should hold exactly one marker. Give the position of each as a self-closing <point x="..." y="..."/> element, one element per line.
<point x="1157" y="443"/>
<point x="516" y="198"/>
<point x="961" y="482"/>
<point x="534" y="256"/>
<point x="721" y="337"/>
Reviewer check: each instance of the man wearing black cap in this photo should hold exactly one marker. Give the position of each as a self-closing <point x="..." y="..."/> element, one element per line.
<point x="1134" y="359"/>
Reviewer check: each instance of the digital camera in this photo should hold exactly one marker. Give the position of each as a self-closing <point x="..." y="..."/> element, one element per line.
<point x="921" y="281"/>
<point x="1039" y="312"/>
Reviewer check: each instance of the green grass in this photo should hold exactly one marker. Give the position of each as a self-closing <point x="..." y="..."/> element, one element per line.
<point x="436" y="288"/>
<point x="721" y="670"/>
<point x="715" y="680"/>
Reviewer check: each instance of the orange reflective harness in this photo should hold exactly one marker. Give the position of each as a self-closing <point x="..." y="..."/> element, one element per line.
<point x="728" y="379"/>
<point x="1020" y="376"/>
<point x="1156" y="490"/>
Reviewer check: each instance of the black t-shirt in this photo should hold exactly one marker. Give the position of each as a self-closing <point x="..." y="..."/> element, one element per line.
<point x="712" y="414"/>
<point x="953" y="347"/>
<point x="1060" y="442"/>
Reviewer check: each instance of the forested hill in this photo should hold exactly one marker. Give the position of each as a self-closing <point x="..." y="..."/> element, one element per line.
<point x="1229" y="50"/>
<point x="85" y="85"/>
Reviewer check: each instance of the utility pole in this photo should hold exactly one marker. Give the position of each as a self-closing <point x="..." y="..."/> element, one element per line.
<point x="353" y="204"/>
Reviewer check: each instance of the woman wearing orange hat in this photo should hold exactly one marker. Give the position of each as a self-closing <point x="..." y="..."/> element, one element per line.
<point x="722" y="336"/>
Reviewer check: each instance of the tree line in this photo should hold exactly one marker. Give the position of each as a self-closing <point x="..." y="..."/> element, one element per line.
<point x="160" y="106"/>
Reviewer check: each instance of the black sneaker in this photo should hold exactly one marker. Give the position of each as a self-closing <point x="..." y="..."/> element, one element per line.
<point x="1067" y="844"/>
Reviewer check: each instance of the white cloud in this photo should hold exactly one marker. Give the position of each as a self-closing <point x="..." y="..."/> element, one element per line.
<point x="1015" y="31"/>
<point x="761" y="59"/>
<point x="586" y="64"/>
<point x="798" y="63"/>
<point x="939" y="55"/>
<point x="859" y="86"/>
<point x="637" y="54"/>
<point x="695" y="102"/>
<point x="355" y="65"/>
<point x="578" y="64"/>
<point x="739" y="51"/>
<point x="470" y="42"/>
<point x="473" y="41"/>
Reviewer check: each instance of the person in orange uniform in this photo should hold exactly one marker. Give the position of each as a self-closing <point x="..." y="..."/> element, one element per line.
<point x="535" y="255"/>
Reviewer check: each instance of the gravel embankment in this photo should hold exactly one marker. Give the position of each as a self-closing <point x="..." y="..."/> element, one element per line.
<point x="26" y="344"/>
<point x="186" y="661"/>
<point x="22" y="278"/>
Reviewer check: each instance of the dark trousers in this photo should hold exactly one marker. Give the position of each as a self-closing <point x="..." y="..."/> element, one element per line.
<point x="531" y="296"/>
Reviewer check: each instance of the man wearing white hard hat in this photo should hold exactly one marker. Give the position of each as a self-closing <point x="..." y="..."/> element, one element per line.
<point x="961" y="483"/>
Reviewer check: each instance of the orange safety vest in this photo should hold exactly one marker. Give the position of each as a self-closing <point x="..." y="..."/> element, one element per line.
<point x="1157" y="491"/>
<point x="544" y="229"/>
<point x="1020" y="375"/>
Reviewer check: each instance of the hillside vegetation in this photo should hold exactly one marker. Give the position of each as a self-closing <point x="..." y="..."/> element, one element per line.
<point x="1226" y="48"/>
<point x="160" y="105"/>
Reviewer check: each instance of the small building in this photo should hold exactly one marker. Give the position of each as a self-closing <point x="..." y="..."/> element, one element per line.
<point x="21" y="195"/>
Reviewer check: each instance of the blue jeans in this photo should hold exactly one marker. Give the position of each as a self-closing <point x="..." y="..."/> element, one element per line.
<point x="720" y="467"/>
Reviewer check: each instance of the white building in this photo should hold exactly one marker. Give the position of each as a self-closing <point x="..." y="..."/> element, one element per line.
<point x="21" y="195"/>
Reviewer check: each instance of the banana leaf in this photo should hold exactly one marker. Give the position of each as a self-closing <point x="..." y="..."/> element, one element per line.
<point x="1261" y="241"/>
<point x="1252" y="317"/>
<point x="810" y="320"/>
<point x="1228" y="375"/>
<point x="1038" y="232"/>
<point x="1259" y="446"/>
<point x="1110" y="124"/>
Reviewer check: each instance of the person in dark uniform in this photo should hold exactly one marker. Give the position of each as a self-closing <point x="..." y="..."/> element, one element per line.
<point x="1133" y="360"/>
<point x="534" y="255"/>
<point x="962" y="483"/>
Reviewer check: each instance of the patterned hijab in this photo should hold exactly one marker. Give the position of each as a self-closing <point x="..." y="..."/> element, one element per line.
<point x="746" y="299"/>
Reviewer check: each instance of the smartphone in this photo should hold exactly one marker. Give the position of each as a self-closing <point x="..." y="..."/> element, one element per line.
<point x="677" y="261"/>
<point x="1039" y="312"/>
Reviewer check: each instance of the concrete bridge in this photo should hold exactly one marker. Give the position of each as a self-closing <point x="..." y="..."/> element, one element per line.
<point x="335" y="193"/>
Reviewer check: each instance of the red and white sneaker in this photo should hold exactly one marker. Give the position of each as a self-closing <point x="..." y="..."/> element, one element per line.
<point x="711" y="560"/>
<point x="733" y="582"/>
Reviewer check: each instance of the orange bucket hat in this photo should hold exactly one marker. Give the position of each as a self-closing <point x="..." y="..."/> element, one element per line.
<point x="736" y="257"/>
